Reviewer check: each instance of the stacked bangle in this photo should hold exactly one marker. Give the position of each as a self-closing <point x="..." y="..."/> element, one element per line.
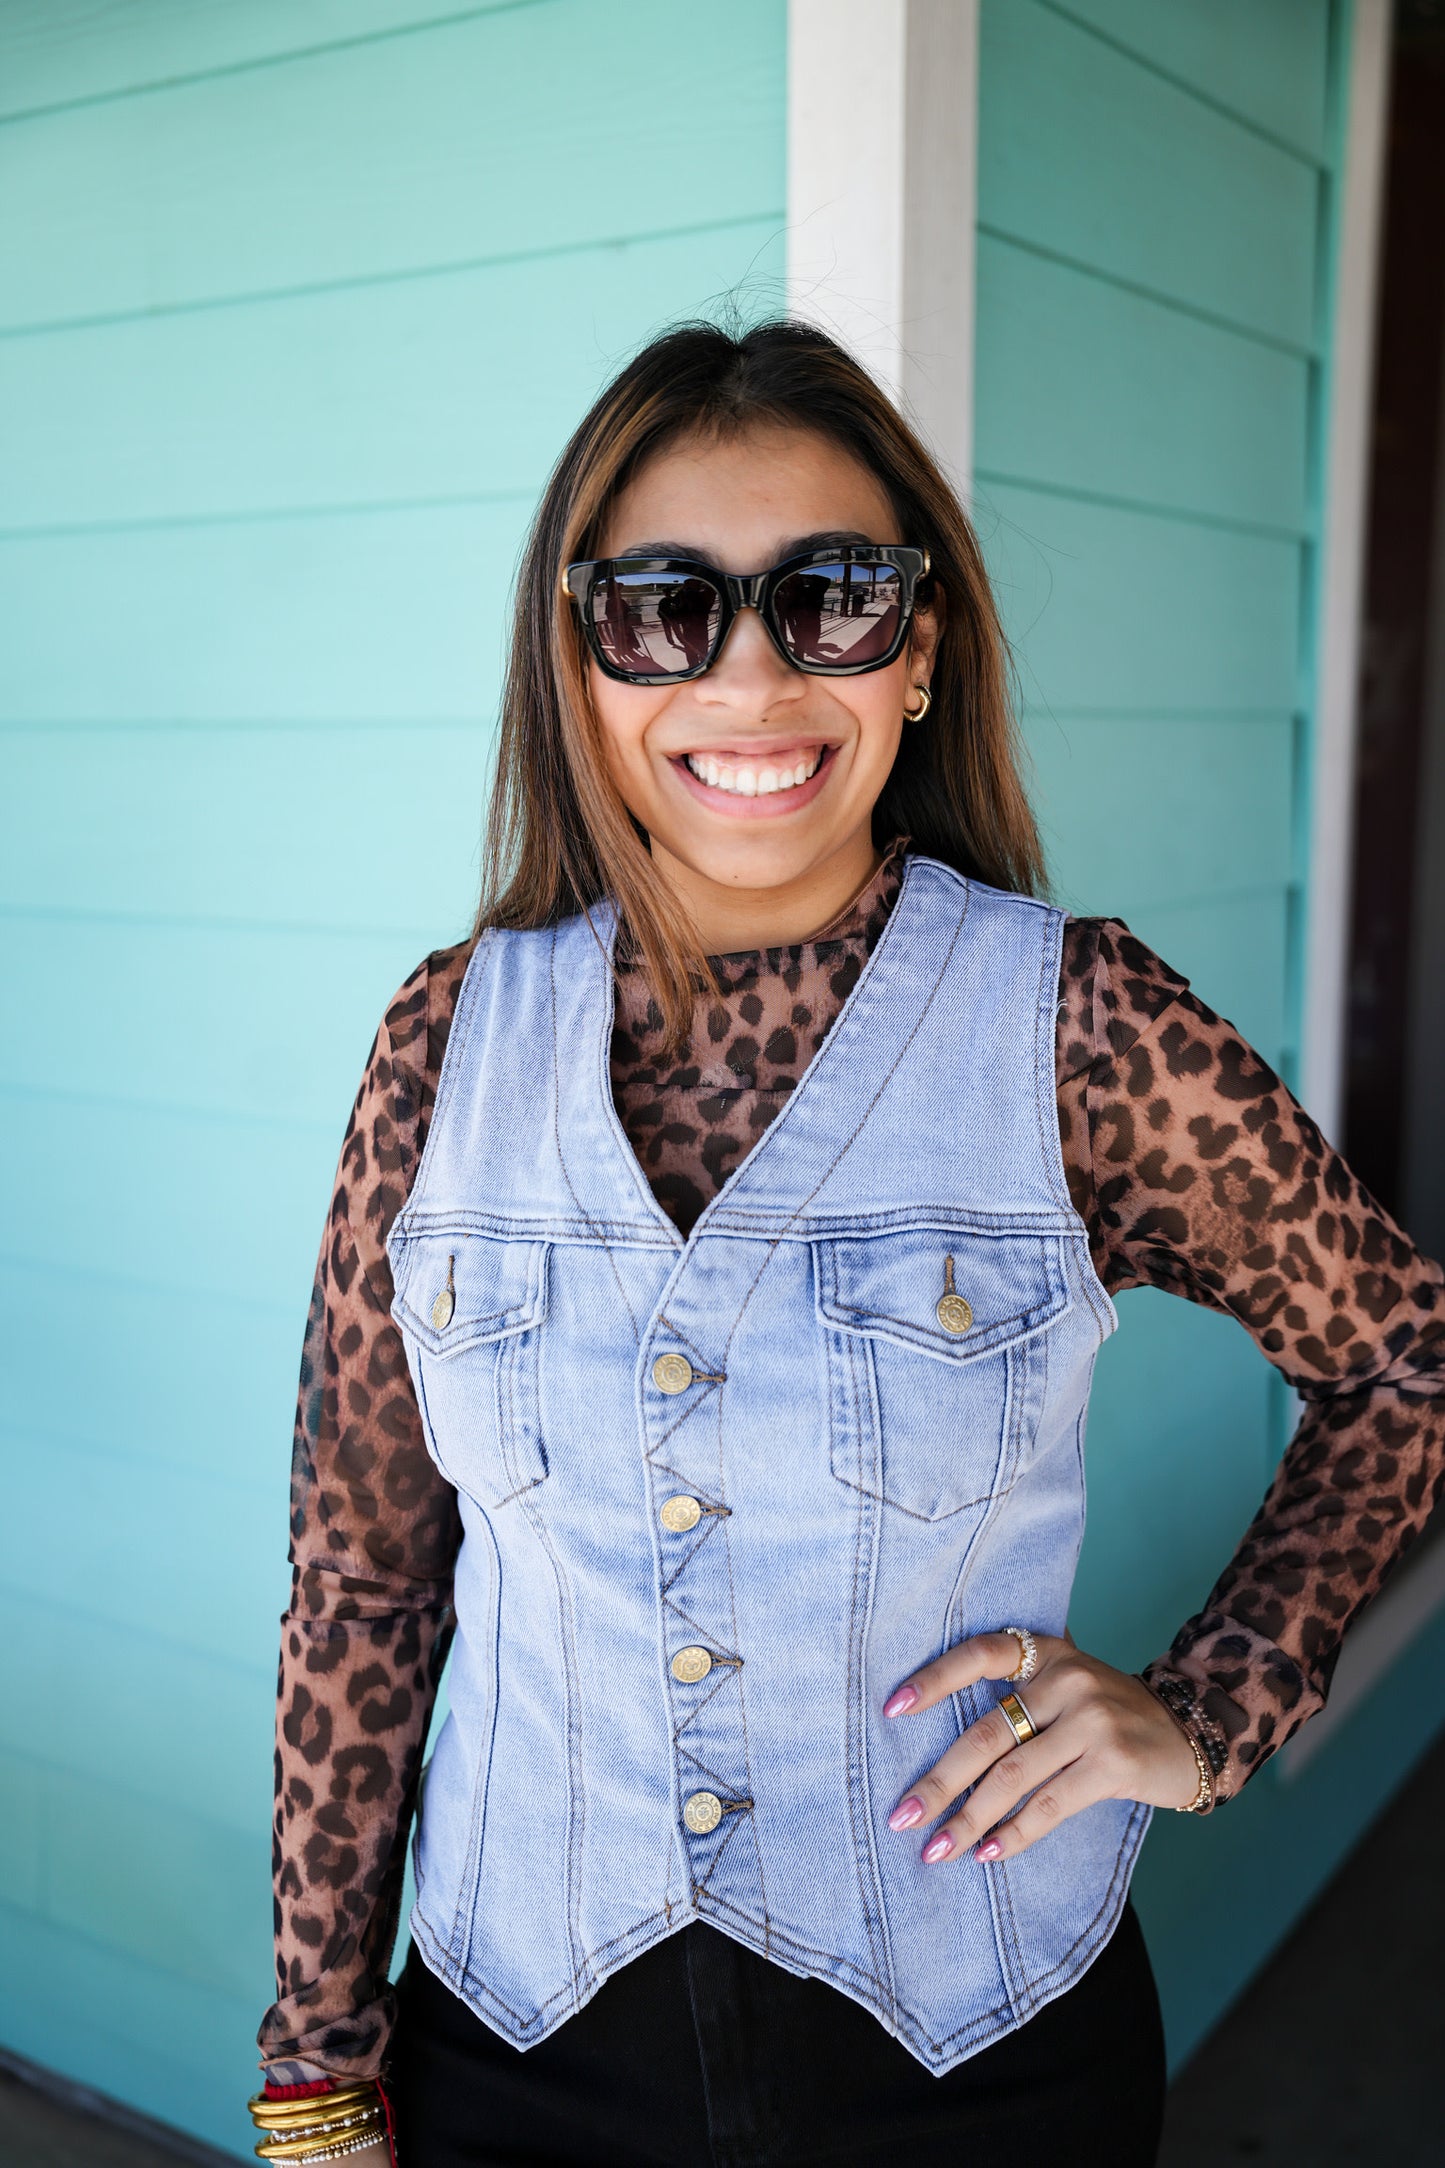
<point x="1210" y="1751"/>
<point x="1181" y="1708"/>
<point x="1203" y="1799"/>
<point x="303" y="2127"/>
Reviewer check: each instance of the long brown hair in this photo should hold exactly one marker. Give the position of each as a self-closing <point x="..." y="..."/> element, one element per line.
<point x="559" y="836"/>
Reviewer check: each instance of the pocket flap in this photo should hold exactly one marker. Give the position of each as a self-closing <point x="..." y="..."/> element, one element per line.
<point x="950" y="1294"/>
<point x="455" y="1289"/>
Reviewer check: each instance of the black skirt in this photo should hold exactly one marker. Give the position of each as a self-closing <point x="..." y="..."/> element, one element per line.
<point x="701" y="2054"/>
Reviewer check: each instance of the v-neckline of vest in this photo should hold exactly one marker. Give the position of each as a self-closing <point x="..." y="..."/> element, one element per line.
<point x="855" y="999"/>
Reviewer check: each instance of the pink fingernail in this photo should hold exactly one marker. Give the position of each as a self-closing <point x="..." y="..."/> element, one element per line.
<point x="906" y="1813"/>
<point x="902" y="1697"/>
<point x="937" y="1847"/>
<point x="990" y="1849"/>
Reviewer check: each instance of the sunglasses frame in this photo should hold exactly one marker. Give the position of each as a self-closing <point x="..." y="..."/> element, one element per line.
<point x="747" y="591"/>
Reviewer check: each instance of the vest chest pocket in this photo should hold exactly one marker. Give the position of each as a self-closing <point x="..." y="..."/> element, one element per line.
<point x="471" y="1309"/>
<point x="937" y="1360"/>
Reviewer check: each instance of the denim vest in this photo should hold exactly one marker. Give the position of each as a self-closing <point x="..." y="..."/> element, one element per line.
<point x="720" y="1496"/>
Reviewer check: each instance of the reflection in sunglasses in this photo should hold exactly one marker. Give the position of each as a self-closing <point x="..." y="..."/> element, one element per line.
<point x="841" y="613"/>
<point x="667" y="621"/>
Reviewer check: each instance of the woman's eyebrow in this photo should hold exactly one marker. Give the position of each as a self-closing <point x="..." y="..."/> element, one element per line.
<point x="830" y="538"/>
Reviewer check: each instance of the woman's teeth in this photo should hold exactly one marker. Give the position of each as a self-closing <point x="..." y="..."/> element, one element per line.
<point x="750" y="780"/>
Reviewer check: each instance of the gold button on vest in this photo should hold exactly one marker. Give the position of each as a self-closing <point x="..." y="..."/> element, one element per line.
<point x="680" y="1513"/>
<point x="672" y="1373"/>
<point x="690" y="1664"/>
<point x="952" y="1312"/>
<point x="702" y="1811"/>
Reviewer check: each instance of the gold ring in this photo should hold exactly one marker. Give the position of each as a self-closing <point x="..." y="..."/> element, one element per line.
<point x="1017" y="1717"/>
<point x="1028" y="1662"/>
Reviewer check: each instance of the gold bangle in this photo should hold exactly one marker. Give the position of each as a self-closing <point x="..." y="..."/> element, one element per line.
<point x="1204" y="1798"/>
<point x="269" y="2114"/>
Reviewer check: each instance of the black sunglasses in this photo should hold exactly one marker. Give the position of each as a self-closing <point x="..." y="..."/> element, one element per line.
<point x="831" y="612"/>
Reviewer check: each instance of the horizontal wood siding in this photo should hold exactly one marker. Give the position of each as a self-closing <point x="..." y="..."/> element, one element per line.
<point x="60" y="53"/>
<point x="1087" y="150"/>
<point x="297" y="304"/>
<point x="1154" y="199"/>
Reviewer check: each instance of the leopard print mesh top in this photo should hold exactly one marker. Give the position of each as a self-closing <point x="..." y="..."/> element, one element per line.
<point x="1192" y="1168"/>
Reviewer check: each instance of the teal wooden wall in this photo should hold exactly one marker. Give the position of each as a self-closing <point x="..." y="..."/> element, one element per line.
<point x="298" y="299"/>
<point x="1157" y="198"/>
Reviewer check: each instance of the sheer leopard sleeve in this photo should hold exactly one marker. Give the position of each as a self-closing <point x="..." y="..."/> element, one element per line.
<point x="374" y="1536"/>
<point x="1197" y="1171"/>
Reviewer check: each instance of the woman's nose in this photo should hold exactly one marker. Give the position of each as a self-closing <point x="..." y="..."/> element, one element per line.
<point x="746" y="660"/>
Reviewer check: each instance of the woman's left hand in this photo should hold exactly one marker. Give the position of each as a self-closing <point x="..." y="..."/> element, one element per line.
<point x="1100" y="1734"/>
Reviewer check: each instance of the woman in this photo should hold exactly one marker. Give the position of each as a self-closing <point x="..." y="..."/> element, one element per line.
<point x="703" y="1330"/>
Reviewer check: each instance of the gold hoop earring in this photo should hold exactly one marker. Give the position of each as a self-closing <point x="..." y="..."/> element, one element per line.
<point x="916" y="715"/>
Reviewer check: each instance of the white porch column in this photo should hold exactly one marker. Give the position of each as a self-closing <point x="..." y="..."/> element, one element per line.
<point x="1341" y="587"/>
<point x="882" y="192"/>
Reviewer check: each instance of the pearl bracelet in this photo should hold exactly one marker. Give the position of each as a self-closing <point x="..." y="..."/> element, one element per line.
<point x="335" y="2152"/>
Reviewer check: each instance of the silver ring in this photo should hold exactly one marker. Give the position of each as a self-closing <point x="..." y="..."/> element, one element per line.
<point x="1028" y="1657"/>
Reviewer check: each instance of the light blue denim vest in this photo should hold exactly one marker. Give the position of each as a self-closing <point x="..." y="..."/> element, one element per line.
<point x="681" y="1605"/>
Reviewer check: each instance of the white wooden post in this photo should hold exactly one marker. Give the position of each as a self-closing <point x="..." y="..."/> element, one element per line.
<point x="882" y="193"/>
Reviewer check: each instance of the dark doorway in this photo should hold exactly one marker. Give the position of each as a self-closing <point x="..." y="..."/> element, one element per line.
<point x="1395" y="1078"/>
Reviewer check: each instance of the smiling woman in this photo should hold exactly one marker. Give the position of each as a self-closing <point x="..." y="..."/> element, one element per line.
<point x="701" y="1348"/>
<point x="687" y="750"/>
<point x="706" y="490"/>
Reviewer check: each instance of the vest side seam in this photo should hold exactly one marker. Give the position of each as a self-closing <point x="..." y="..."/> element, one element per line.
<point x="1081" y="1423"/>
<point x="1110" y="1906"/>
<point x="1016" y="1979"/>
<point x="1001" y="1913"/>
<point x="576" y="1789"/>
<point x="1051" y="949"/>
<point x="875" y="1910"/>
<point x="463" y="1921"/>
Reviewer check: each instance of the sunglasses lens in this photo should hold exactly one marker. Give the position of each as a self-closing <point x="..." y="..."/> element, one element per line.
<point x="655" y="624"/>
<point x="841" y="614"/>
